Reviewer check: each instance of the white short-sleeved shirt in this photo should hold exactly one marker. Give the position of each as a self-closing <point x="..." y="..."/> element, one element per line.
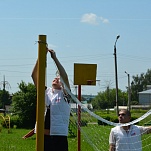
<point x="59" y="112"/>
<point x="127" y="141"/>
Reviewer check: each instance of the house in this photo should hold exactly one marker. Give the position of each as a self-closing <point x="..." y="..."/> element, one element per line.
<point x="74" y="106"/>
<point x="145" y="97"/>
<point x="143" y="107"/>
<point x="7" y="108"/>
<point x="2" y="110"/>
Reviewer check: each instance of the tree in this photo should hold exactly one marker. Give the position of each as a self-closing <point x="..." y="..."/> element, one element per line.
<point x="139" y="83"/>
<point x="106" y="99"/>
<point x="24" y="104"/>
<point x="5" y="98"/>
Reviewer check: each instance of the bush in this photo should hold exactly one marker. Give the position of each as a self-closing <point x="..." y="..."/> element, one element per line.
<point x="104" y="117"/>
<point x="84" y="122"/>
<point x="15" y="121"/>
<point x="1" y="127"/>
<point x="113" y="119"/>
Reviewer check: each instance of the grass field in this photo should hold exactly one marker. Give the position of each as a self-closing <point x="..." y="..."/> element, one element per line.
<point x="96" y="136"/>
<point x="13" y="141"/>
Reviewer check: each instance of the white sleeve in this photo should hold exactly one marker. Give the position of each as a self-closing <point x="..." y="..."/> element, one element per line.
<point x="143" y="130"/>
<point x="35" y="128"/>
<point x="111" y="137"/>
<point x="48" y="92"/>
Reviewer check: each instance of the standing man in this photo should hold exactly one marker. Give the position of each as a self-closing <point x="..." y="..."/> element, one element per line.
<point x="57" y="109"/>
<point x="126" y="138"/>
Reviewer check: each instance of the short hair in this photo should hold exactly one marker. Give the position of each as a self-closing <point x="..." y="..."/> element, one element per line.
<point x="127" y="112"/>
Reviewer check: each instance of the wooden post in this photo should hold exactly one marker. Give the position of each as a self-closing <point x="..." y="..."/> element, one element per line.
<point x="41" y="93"/>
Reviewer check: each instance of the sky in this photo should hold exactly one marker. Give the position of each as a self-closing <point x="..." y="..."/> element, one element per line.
<point x="80" y="31"/>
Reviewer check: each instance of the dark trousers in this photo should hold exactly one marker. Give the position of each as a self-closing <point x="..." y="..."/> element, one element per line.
<point x="55" y="143"/>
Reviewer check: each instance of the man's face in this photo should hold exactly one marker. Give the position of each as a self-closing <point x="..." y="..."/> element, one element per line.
<point x="56" y="84"/>
<point x="123" y="117"/>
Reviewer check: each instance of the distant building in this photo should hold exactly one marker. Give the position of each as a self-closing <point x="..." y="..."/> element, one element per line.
<point x="7" y="108"/>
<point x="2" y="110"/>
<point x="143" y="107"/>
<point x="74" y="106"/>
<point x="145" y="96"/>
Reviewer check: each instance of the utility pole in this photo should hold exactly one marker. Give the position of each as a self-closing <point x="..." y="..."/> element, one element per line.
<point x="129" y="92"/>
<point x="4" y="84"/>
<point x="116" y="77"/>
<point x="108" y="98"/>
<point x="108" y="84"/>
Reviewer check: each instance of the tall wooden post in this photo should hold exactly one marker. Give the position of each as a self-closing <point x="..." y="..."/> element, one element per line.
<point x="41" y="93"/>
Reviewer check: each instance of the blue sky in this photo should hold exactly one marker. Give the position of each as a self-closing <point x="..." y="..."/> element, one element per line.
<point x="80" y="31"/>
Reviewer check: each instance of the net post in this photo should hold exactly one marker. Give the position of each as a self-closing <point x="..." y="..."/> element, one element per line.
<point x="41" y="93"/>
<point x="79" y="118"/>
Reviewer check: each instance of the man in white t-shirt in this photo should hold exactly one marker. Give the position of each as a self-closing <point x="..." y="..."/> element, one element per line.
<point x="126" y="138"/>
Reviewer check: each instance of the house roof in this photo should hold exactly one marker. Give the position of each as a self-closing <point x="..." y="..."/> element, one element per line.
<point x="146" y="92"/>
<point x="2" y="110"/>
<point x="74" y="105"/>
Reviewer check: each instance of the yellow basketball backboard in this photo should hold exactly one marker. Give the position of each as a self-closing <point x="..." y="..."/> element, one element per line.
<point x="85" y="74"/>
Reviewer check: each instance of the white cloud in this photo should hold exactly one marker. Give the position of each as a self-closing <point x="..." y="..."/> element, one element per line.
<point x="104" y="20"/>
<point x="91" y="18"/>
<point x="51" y="46"/>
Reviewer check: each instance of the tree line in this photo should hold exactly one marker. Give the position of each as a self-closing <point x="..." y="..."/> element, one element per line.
<point x="23" y="102"/>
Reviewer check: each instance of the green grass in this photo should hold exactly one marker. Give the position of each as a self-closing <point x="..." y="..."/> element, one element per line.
<point x="96" y="135"/>
<point x="13" y="141"/>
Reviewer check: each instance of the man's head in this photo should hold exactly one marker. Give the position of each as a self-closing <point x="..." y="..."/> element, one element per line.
<point x="124" y="116"/>
<point x="56" y="84"/>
